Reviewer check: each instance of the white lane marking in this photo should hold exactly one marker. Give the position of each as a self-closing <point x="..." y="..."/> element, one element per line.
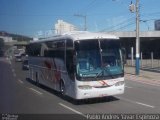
<point x="13" y="70"/>
<point x="145" y="105"/>
<point x="128" y="87"/>
<point x="14" y="74"/>
<point x="36" y="91"/>
<point x="65" y="106"/>
<point x="20" y="81"/>
<point x="136" y="102"/>
<point x="8" y="60"/>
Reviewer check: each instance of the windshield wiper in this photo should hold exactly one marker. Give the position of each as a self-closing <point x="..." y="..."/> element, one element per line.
<point x="99" y="73"/>
<point x="104" y="68"/>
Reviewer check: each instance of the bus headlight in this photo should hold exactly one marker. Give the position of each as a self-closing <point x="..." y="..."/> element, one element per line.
<point x="119" y="83"/>
<point x="84" y="87"/>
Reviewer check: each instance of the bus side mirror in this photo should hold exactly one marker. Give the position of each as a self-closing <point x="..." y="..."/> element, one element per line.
<point x="124" y="55"/>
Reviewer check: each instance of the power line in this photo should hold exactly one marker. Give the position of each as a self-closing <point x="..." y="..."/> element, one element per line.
<point x="17" y="14"/>
<point x="149" y="19"/>
<point x="150" y="14"/>
<point x="124" y="22"/>
<point x="90" y="5"/>
<point x="132" y="23"/>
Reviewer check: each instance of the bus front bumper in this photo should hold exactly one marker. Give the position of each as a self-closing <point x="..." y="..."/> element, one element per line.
<point x="99" y="92"/>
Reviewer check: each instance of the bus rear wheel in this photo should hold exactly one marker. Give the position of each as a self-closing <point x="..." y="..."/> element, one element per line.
<point x="37" y="81"/>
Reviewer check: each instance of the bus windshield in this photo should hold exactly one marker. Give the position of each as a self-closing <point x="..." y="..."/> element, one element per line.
<point x="98" y="58"/>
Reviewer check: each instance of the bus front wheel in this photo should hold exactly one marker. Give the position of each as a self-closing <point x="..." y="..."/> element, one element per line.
<point x="62" y="88"/>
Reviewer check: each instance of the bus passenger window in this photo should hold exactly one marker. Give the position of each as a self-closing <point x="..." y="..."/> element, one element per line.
<point x="70" y="63"/>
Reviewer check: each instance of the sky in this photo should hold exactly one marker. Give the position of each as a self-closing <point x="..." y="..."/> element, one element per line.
<point x="30" y="17"/>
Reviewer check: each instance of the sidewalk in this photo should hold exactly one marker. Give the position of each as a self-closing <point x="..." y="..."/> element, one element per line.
<point x="144" y="76"/>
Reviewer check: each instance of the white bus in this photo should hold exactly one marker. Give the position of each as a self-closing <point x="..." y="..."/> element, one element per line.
<point x="80" y="65"/>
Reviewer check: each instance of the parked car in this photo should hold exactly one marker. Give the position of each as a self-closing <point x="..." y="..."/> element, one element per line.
<point x="18" y="58"/>
<point x="25" y="65"/>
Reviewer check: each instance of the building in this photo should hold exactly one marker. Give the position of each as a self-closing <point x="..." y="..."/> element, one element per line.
<point x="11" y="39"/>
<point x="7" y="39"/>
<point x="63" y="27"/>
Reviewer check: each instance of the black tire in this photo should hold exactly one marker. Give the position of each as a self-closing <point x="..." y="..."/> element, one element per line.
<point x="37" y="81"/>
<point x="78" y="102"/>
<point x="62" y="88"/>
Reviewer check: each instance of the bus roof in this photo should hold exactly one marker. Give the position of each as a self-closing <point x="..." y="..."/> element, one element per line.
<point x="79" y="35"/>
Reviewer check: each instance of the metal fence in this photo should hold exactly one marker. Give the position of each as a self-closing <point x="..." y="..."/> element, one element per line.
<point x="148" y="61"/>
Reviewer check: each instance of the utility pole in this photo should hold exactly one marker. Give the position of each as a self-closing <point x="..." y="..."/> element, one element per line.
<point x="85" y="20"/>
<point x="137" y="38"/>
<point x="132" y="8"/>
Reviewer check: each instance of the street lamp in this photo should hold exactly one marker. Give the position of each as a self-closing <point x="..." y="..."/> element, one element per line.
<point x="85" y="21"/>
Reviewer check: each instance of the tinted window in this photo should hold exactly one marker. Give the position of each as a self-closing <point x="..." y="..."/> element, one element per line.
<point x="69" y="44"/>
<point x="33" y="49"/>
<point x="55" y="49"/>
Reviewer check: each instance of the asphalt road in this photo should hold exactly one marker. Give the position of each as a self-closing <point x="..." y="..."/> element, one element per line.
<point x="20" y="96"/>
